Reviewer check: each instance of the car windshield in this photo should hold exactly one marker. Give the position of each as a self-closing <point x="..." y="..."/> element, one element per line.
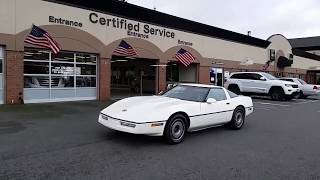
<point x="302" y="81"/>
<point x="269" y="76"/>
<point x="188" y="93"/>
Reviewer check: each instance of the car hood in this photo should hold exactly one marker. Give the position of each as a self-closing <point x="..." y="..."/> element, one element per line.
<point x="284" y="82"/>
<point x="143" y="108"/>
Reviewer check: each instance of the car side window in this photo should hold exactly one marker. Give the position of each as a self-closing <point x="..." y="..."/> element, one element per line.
<point x="253" y="76"/>
<point x="217" y="94"/>
<point x="237" y="76"/>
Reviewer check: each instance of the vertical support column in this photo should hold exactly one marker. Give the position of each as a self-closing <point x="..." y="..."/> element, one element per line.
<point x="104" y="79"/>
<point x="14" y="77"/>
<point x="204" y="75"/>
<point x="162" y="81"/>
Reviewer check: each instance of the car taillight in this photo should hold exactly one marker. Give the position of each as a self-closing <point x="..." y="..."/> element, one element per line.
<point x="315" y="88"/>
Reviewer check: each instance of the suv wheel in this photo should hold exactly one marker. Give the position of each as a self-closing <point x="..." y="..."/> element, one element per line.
<point x="235" y="89"/>
<point x="299" y="96"/>
<point x="277" y="94"/>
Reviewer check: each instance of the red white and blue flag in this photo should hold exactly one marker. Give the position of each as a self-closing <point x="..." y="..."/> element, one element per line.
<point x="124" y="49"/>
<point x="266" y="66"/>
<point x="42" y="38"/>
<point x="185" y="57"/>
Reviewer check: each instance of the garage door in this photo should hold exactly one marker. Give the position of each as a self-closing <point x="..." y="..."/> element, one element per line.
<point x="66" y="76"/>
<point x="1" y="75"/>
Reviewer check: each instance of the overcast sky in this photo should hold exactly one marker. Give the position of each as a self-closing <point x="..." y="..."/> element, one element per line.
<point x="292" y="18"/>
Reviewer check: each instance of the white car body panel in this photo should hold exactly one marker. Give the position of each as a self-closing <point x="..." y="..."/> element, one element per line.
<point x="144" y="111"/>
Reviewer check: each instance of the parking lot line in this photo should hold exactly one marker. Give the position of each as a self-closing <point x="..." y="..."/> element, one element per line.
<point x="273" y="104"/>
<point x="307" y="101"/>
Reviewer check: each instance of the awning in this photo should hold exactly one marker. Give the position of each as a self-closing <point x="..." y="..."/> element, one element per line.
<point x="284" y="62"/>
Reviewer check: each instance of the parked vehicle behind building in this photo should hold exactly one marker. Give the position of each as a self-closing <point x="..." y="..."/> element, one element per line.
<point x="261" y="83"/>
<point x="305" y="88"/>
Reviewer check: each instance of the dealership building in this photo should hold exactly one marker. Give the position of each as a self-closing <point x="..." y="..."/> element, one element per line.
<point x="88" y="69"/>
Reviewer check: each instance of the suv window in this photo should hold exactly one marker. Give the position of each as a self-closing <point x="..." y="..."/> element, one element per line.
<point x="253" y="76"/>
<point x="239" y="76"/>
<point x="217" y="94"/>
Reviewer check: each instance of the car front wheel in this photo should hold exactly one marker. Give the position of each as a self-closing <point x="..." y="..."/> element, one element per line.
<point x="175" y="129"/>
<point x="277" y="94"/>
<point x="238" y="117"/>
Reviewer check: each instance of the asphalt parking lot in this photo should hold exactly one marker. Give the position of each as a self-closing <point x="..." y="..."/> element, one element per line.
<point x="280" y="140"/>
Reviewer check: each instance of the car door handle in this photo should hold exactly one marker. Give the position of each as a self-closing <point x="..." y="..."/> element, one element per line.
<point x="228" y="103"/>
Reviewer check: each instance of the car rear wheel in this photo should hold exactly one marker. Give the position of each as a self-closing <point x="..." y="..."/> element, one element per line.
<point x="238" y="118"/>
<point x="175" y="129"/>
<point x="277" y="94"/>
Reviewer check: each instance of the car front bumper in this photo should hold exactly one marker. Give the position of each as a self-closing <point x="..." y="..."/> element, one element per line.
<point x="150" y="128"/>
<point x="291" y="91"/>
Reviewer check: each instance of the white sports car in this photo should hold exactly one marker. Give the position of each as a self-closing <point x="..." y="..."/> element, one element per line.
<point x="184" y="108"/>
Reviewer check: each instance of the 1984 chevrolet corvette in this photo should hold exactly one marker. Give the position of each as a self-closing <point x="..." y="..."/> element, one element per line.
<point x="184" y="108"/>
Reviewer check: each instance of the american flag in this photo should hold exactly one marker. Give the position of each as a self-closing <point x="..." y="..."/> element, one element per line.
<point x="40" y="37"/>
<point x="124" y="49"/>
<point x="265" y="66"/>
<point x="185" y="57"/>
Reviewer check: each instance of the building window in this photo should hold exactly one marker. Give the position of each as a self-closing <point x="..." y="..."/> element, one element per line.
<point x="60" y="75"/>
<point x="272" y="54"/>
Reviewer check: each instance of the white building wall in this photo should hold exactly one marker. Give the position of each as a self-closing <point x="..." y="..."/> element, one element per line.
<point x="7" y="16"/>
<point x="304" y="63"/>
<point x="37" y="12"/>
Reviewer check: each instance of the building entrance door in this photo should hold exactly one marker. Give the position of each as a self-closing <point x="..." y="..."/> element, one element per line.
<point x="132" y="77"/>
<point x="217" y="76"/>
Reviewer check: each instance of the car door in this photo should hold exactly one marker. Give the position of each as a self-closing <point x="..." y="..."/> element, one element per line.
<point x="257" y="85"/>
<point x="245" y="82"/>
<point x="215" y="113"/>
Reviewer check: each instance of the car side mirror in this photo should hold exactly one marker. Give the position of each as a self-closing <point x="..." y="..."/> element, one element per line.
<point x="211" y="100"/>
<point x="263" y="79"/>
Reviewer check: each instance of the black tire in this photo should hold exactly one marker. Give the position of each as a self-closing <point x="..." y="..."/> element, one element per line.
<point x="289" y="98"/>
<point x="235" y="89"/>
<point x="175" y="129"/>
<point x="277" y="94"/>
<point x="238" y="118"/>
<point x="299" y="95"/>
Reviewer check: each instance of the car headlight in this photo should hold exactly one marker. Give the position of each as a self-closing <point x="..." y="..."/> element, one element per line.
<point x="288" y="85"/>
<point x="103" y="116"/>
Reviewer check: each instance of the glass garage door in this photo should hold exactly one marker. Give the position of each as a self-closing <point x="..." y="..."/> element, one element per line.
<point x="1" y="75"/>
<point x="64" y="76"/>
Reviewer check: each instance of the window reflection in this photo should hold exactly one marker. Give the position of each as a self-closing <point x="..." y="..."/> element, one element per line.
<point x="83" y="69"/>
<point x="36" y="81"/>
<point x="36" y="67"/>
<point x="62" y="82"/>
<point x="31" y="54"/>
<point x="86" y="82"/>
<point x="85" y="58"/>
<point x="63" y="56"/>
